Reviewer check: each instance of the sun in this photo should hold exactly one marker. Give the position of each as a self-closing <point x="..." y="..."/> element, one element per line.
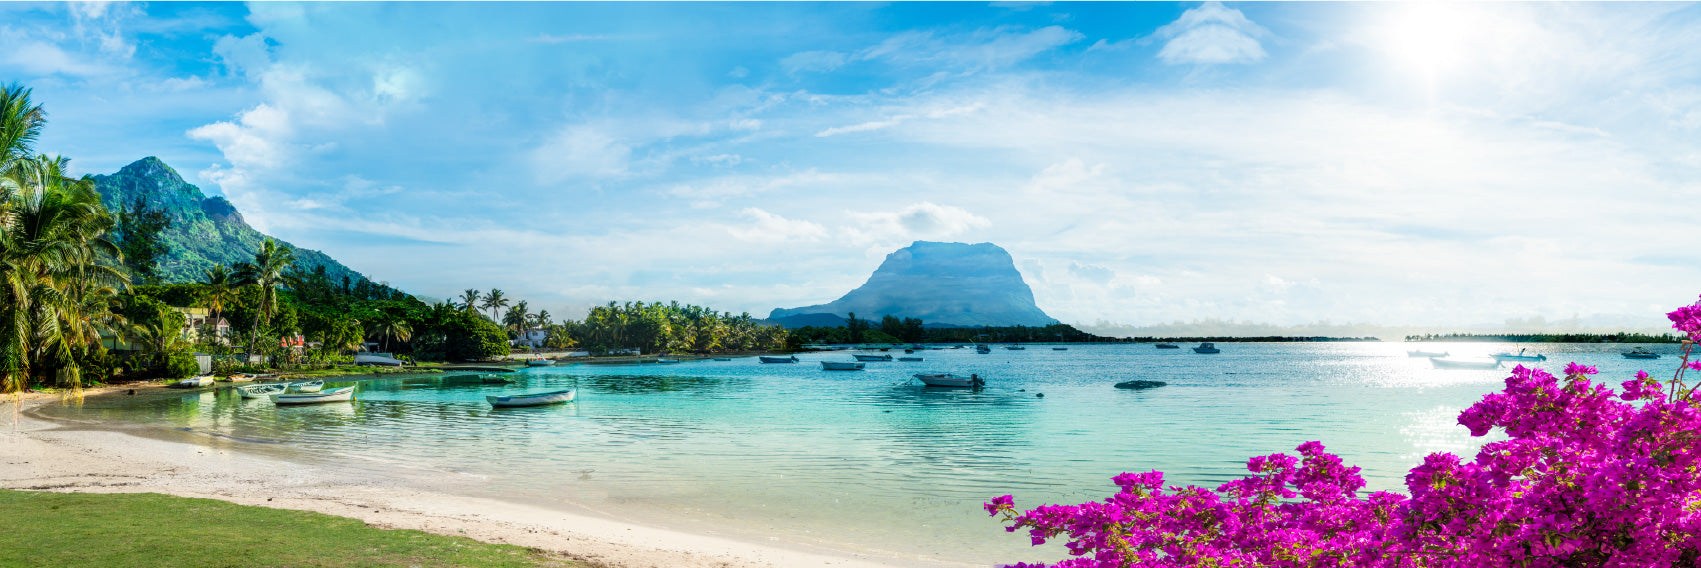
<point x="1430" y="38"/>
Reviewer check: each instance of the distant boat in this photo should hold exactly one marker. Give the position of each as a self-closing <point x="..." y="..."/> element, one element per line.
<point x="1060" y="349"/>
<point x="767" y="359"/>
<point x="1207" y="348"/>
<point x="538" y="399"/>
<point x="539" y="362"/>
<point x="910" y="350"/>
<point x="1520" y="356"/>
<point x="1421" y="353"/>
<point x="950" y="380"/>
<point x="309" y="386"/>
<point x="873" y="357"/>
<point x="1140" y="385"/>
<point x="262" y="391"/>
<point x="723" y="358"/>
<point x="1441" y="363"/>
<point x="840" y="366"/>
<point x="910" y="359"/>
<point x="982" y="349"/>
<point x="669" y="361"/>
<point x="195" y="382"/>
<point x="1168" y="346"/>
<point x="343" y="394"/>
<point x="1640" y="353"/>
<point x="1016" y="347"/>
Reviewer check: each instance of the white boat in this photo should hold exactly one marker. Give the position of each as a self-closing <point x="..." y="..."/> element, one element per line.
<point x="669" y="361"/>
<point x="950" y="380"/>
<point x="873" y="357"/>
<point x="1207" y="348"/>
<point x="840" y="366"/>
<point x="539" y="362"/>
<point x="910" y="359"/>
<point x="538" y="399"/>
<point x="1640" y="353"/>
<point x="195" y="382"/>
<point x="1422" y="353"/>
<point x="262" y="391"/>
<point x="309" y="386"/>
<point x="1441" y="363"/>
<point x="1519" y="356"/>
<point x="380" y="359"/>
<point x="766" y="359"/>
<point x="343" y="394"/>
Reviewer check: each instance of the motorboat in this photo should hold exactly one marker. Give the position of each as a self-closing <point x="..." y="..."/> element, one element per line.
<point x="841" y="366"/>
<point x="1422" y="353"/>
<point x="910" y="359"/>
<point x="1519" y="356"/>
<point x="539" y="362"/>
<point x="343" y="394"/>
<point x="873" y="357"/>
<point x="1442" y="363"/>
<point x="309" y="386"/>
<point x="1168" y="346"/>
<point x="1207" y="348"/>
<point x="195" y="382"/>
<point x="950" y="380"/>
<point x="537" y="399"/>
<point x="1640" y="353"/>
<point x="767" y="359"/>
<point x="262" y="391"/>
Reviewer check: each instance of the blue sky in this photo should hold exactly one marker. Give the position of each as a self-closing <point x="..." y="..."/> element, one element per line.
<point x="1405" y="164"/>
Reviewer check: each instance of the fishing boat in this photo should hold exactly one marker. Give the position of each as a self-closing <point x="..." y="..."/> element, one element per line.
<point x="1207" y="348"/>
<point x="538" y="399"/>
<point x="840" y="366"/>
<point x="1017" y="347"/>
<point x="1640" y="353"/>
<point x="309" y="386"/>
<point x="1519" y="356"/>
<point x="196" y="381"/>
<point x="1441" y="363"/>
<point x="539" y="362"/>
<point x="343" y="394"/>
<point x="262" y="391"/>
<point x="766" y="359"/>
<point x="1168" y="346"/>
<point x="873" y="357"/>
<point x="910" y="359"/>
<point x="1422" y="353"/>
<point x="950" y="380"/>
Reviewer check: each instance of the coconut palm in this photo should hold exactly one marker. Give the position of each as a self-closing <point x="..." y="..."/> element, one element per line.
<point x="20" y="123"/>
<point x="220" y="293"/>
<point x="495" y="301"/>
<point x="517" y="318"/>
<point x="469" y="301"/>
<point x="268" y="271"/>
<point x="391" y="326"/>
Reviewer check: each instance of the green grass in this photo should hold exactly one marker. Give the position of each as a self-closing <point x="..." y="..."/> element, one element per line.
<point x="149" y="530"/>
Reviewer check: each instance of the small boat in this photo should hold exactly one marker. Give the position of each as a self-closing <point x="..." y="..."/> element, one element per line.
<point x="1207" y="348"/>
<point x="309" y="386"/>
<point x="195" y="382"/>
<point x="873" y="357"/>
<point x="1422" y="353"/>
<point x="1520" y="356"/>
<point x="262" y="391"/>
<point x="723" y="358"/>
<point x="343" y="394"/>
<point x="910" y="359"/>
<point x="950" y="380"/>
<point x="1640" y="353"/>
<point x="1060" y="349"/>
<point x="1168" y="346"/>
<point x="539" y="399"/>
<point x="1140" y="385"/>
<point x="840" y="366"/>
<point x="982" y="349"/>
<point x="1015" y="348"/>
<point x="910" y="350"/>
<point x="766" y="359"/>
<point x="669" y="361"/>
<point x="1441" y="363"/>
<point x="539" y="362"/>
<point x="378" y="359"/>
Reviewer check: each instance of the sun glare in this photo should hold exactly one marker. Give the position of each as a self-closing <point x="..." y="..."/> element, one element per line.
<point x="1430" y="37"/>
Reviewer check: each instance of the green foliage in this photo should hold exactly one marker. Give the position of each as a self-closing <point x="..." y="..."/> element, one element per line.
<point x="181" y="366"/>
<point x="657" y="327"/>
<point x="913" y="331"/>
<point x="468" y="337"/>
<point x="138" y="234"/>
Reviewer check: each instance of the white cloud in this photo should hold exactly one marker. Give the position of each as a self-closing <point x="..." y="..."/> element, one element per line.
<point x="1211" y="33"/>
<point x="925" y="220"/>
<point x="768" y="227"/>
<point x="1092" y="272"/>
<point x="256" y="139"/>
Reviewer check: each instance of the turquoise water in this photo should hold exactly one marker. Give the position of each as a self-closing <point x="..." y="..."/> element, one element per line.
<point x="870" y="459"/>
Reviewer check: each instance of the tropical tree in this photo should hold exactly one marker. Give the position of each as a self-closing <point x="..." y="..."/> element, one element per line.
<point x="469" y="301"/>
<point x="392" y="326"/>
<point x="219" y="294"/>
<point x="267" y="273"/>
<point x="21" y="122"/>
<point x="495" y="301"/>
<point x="517" y="318"/>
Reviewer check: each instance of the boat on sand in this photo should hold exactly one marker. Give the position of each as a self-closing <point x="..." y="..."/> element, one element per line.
<point x="195" y="382"/>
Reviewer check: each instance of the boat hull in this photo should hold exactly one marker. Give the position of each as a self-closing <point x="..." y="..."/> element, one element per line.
<point x="194" y="382"/>
<point x="910" y="359"/>
<point x="840" y="366"/>
<point x="343" y="394"/>
<point x="1168" y="346"/>
<point x="873" y="357"/>
<point x="947" y="380"/>
<point x="1206" y="350"/>
<point x="540" y="399"/>
<point x="261" y="391"/>
<point x="778" y="359"/>
<point x="539" y="363"/>
<point x="308" y="387"/>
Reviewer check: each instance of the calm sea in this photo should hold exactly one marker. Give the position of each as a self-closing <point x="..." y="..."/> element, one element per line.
<point x="861" y="460"/>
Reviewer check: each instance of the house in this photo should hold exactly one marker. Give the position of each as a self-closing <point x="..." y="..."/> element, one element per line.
<point x="198" y="320"/>
<point x="532" y="338"/>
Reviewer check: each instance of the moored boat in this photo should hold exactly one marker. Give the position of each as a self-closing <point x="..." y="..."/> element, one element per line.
<point x="873" y="357"/>
<point x="378" y="359"/>
<point x="950" y="380"/>
<point x="536" y="399"/>
<point x="1640" y="353"/>
<point x="982" y="349"/>
<point x="1060" y="349"/>
<point x="1519" y="356"/>
<point x="307" y="387"/>
<point x="343" y="394"/>
<point x="767" y="359"/>
<point x="262" y="391"/>
<point x="539" y="362"/>
<point x="910" y="359"/>
<point x="1422" y="353"/>
<point x="195" y="382"/>
<point x="1207" y="348"/>
<point x="840" y="366"/>
<point x="1441" y="363"/>
<point x="1168" y="346"/>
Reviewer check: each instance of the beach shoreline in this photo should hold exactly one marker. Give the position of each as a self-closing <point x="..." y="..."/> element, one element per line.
<point x="40" y="453"/>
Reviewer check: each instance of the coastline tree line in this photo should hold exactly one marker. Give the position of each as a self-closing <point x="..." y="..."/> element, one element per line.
<point x="893" y="329"/>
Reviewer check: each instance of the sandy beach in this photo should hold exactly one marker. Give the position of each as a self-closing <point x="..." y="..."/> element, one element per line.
<point x="42" y="454"/>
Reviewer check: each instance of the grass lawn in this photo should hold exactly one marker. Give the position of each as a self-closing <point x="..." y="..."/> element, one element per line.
<point x="149" y="529"/>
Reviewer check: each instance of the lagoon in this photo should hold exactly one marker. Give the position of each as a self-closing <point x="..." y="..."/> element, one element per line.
<point x="871" y="460"/>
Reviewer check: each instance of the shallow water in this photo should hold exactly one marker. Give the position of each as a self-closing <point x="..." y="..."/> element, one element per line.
<point x="871" y="460"/>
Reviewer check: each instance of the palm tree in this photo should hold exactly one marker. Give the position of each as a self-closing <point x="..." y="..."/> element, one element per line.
<point x="494" y="301"/>
<point x="390" y="326"/>
<point x="20" y="124"/>
<point x="469" y="301"/>
<point x="219" y="294"/>
<point x="268" y="271"/>
<point x="516" y="319"/>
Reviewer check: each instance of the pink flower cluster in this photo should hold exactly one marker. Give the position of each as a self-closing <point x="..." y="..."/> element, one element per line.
<point x="1588" y="477"/>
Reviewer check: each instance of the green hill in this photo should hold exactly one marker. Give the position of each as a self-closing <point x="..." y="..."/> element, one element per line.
<point x="204" y="230"/>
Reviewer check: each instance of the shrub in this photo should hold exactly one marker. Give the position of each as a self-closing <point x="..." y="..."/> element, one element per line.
<point x="1588" y="477"/>
<point x="181" y="365"/>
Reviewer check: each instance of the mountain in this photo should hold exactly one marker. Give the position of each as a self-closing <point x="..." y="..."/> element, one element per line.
<point x="941" y="283"/>
<point x="204" y="230"/>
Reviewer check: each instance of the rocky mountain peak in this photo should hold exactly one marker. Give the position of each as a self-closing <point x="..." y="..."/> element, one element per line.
<point x="941" y="283"/>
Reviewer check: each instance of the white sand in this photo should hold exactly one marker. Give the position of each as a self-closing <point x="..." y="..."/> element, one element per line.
<point x="37" y="454"/>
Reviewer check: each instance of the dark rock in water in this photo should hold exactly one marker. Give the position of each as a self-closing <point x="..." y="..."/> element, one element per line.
<point x="940" y="283"/>
<point x="1137" y="385"/>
